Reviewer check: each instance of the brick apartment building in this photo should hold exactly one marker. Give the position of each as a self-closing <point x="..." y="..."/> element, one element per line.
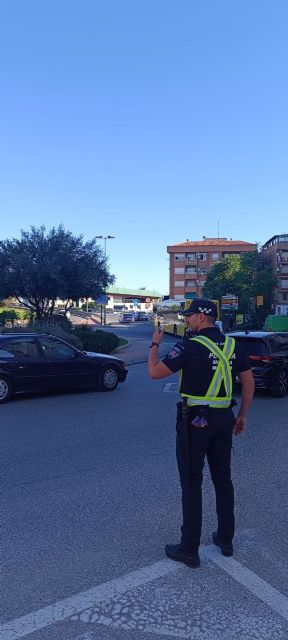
<point x="277" y="250"/>
<point x="191" y="261"/>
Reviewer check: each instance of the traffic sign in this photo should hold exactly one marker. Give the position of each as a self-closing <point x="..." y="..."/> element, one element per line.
<point x="102" y="299"/>
<point x="260" y="301"/>
<point x="147" y="300"/>
<point x="229" y="302"/>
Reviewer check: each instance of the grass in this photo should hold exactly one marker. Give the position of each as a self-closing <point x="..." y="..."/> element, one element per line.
<point x="122" y="342"/>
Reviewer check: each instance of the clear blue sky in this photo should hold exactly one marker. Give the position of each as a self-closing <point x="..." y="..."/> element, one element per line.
<point x="149" y="120"/>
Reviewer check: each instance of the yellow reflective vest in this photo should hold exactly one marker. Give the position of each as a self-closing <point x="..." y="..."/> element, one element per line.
<point x="222" y="374"/>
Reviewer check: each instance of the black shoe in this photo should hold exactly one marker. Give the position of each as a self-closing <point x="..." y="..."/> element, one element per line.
<point x="177" y="552"/>
<point x="226" y="549"/>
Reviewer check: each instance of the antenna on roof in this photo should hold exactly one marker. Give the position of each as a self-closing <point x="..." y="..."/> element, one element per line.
<point x="218" y="226"/>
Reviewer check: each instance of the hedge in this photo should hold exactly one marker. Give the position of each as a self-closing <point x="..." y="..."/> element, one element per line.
<point x="100" y="341"/>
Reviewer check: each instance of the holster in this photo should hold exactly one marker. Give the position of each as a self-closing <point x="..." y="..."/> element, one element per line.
<point x="196" y="416"/>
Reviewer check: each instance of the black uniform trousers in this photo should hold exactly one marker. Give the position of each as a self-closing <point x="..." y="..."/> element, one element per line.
<point x="215" y="442"/>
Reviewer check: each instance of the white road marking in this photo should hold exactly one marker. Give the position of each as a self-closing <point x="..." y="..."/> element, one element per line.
<point x="275" y="600"/>
<point x="64" y="609"/>
<point x="102" y="593"/>
<point x="171" y="387"/>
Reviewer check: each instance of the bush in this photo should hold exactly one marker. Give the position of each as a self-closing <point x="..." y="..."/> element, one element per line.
<point x="9" y="316"/>
<point x="100" y="341"/>
<point x="54" y="322"/>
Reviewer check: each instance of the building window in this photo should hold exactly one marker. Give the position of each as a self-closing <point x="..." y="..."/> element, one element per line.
<point x="190" y="270"/>
<point x="190" y="256"/>
<point x="179" y="270"/>
<point x="215" y="256"/>
<point x="179" y="256"/>
<point x="284" y="284"/>
<point x="232" y="253"/>
<point x="179" y="283"/>
<point x="201" y="256"/>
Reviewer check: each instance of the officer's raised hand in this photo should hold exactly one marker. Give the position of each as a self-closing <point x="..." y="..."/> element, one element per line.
<point x="157" y="336"/>
<point x="156" y="368"/>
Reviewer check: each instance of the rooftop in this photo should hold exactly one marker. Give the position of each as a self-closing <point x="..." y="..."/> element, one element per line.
<point x="146" y="293"/>
<point x="208" y="242"/>
<point x="280" y="237"/>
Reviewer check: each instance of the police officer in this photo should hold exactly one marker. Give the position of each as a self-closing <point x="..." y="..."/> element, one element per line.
<point x="208" y="363"/>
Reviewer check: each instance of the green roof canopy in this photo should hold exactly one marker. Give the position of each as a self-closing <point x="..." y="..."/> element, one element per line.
<point x="136" y="293"/>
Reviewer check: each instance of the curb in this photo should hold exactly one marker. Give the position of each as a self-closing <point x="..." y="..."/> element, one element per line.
<point x="123" y="346"/>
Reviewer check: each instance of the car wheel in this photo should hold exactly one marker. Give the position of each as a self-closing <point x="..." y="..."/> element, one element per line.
<point x="175" y="331"/>
<point x="108" y="378"/>
<point x="281" y="388"/>
<point x="5" y="389"/>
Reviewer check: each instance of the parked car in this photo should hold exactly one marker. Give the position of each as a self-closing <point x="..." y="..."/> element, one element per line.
<point x="268" y="354"/>
<point x="141" y="316"/>
<point x="42" y="362"/>
<point x="62" y="312"/>
<point x="127" y="317"/>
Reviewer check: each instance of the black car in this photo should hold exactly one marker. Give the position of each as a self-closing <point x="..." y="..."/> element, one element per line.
<point x="42" y="362"/>
<point x="268" y="354"/>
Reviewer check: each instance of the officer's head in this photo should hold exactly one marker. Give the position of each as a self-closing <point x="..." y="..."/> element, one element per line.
<point x="201" y="313"/>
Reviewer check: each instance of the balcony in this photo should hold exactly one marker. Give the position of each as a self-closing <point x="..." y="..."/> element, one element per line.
<point x="192" y="288"/>
<point x="282" y="260"/>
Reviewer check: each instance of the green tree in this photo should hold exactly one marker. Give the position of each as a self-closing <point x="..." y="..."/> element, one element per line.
<point x="222" y="278"/>
<point x="8" y="316"/>
<point x="266" y="284"/>
<point x="40" y="267"/>
<point x="247" y="276"/>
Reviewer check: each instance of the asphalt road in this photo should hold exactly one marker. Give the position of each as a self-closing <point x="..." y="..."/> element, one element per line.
<point x="90" y="497"/>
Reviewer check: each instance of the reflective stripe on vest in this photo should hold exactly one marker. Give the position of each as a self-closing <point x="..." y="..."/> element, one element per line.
<point x="222" y="374"/>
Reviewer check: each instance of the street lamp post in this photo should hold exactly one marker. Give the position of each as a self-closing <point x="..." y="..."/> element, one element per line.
<point x="105" y="238"/>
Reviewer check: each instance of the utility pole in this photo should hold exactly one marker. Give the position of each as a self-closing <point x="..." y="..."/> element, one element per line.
<point x="105" y="238"/>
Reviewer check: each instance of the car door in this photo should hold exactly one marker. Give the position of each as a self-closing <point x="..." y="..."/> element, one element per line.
<point x="25" y="363"/>
<point x="66" y="367"/>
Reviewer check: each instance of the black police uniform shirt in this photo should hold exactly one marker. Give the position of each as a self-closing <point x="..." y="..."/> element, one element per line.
<point x="198" y="363"/>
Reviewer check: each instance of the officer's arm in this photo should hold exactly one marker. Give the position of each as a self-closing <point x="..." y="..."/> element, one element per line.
<point x="248" y="387"/>
<point x="156" y="368"/>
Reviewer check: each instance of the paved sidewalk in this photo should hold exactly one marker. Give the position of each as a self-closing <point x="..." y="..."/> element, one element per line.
<point x="137" y="351"/>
